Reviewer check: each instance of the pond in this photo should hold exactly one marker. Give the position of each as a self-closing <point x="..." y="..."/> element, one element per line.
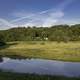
<point x="41" y="66"/>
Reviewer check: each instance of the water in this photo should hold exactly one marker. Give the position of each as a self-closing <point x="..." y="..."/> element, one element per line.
<point x="41" y="66"/>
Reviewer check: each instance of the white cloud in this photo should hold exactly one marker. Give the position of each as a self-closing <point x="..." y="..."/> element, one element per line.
<point x="53" y="18"/>
<point x="21" y="15"/>
<point x="44" y="18"/>
<point x="69" y="21"/>
<point x="5" y="24"/>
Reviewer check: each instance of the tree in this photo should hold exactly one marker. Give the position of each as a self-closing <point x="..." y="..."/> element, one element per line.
<point x="2" y="43"/>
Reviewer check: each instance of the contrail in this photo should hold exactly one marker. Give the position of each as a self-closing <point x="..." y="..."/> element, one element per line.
<point x="65" y="4"/>
<point x="62" y="6"/>
<point x="25" y="17"/>
<point x="6" y="22"/>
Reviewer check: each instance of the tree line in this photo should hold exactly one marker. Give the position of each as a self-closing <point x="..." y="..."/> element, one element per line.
<point x="54" y="33"/>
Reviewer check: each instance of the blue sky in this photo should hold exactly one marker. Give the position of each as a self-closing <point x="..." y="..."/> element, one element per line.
<point x="15" y="13"/>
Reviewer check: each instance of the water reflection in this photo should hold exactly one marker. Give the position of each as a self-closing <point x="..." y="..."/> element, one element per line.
<point x="40" y="66"/>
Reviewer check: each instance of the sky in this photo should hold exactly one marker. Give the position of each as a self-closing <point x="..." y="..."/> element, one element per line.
<point x="40" y="13"/>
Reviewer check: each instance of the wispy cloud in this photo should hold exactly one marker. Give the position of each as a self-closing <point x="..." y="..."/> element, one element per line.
<point x="47" y="19"/>
<point x="5" y="23"/>
<point x="44" y="18"/>
<point x="53" y="18"/>
<point x="69" y="21"/>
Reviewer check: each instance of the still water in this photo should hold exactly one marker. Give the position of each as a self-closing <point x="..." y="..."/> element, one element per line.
<point x="41" y="66"/>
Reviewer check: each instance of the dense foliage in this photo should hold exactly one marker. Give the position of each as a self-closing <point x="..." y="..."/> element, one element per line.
<point x="2" y="42"/>
<point x="54" y="33"/>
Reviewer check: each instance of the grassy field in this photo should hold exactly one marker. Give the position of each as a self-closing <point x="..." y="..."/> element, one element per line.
<point x="43" y="49"/>
<point x="17" y="76"/>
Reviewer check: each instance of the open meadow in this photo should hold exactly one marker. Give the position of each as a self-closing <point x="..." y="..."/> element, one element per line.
<point x="43" y="49"/>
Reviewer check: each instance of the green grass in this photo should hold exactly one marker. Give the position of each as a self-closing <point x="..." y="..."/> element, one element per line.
<point x="18" y="76"/>
<point x="43" y="49"/>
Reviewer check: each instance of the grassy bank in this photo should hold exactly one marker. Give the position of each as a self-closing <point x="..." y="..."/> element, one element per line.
<point x="43" y="49"/>
<point x="17" y="76"/>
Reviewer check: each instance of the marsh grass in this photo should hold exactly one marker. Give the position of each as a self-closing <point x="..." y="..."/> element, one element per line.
<point x="18" y="76"/>
<point x="43" y="49"/>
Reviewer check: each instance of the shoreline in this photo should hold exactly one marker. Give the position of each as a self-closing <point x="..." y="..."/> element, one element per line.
<point x="21" y="76"/>
<point x="67" y="52"/>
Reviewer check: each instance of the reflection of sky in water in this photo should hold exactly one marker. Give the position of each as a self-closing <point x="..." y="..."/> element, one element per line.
<point x="41" y="66"/>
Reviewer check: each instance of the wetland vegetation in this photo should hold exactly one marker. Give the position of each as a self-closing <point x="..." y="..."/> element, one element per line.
<point x="60" y="42"/>
<point x="43" y="49"/>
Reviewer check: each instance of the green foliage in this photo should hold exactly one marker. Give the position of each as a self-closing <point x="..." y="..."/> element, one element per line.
<point x="2" y="43"/>
<point x="57" y="33"/>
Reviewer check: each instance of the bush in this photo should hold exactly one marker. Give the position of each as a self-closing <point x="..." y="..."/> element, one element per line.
<point x="2" y="43"/>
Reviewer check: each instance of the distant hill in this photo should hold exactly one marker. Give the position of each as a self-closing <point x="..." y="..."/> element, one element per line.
<point x="54" y="33"/>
